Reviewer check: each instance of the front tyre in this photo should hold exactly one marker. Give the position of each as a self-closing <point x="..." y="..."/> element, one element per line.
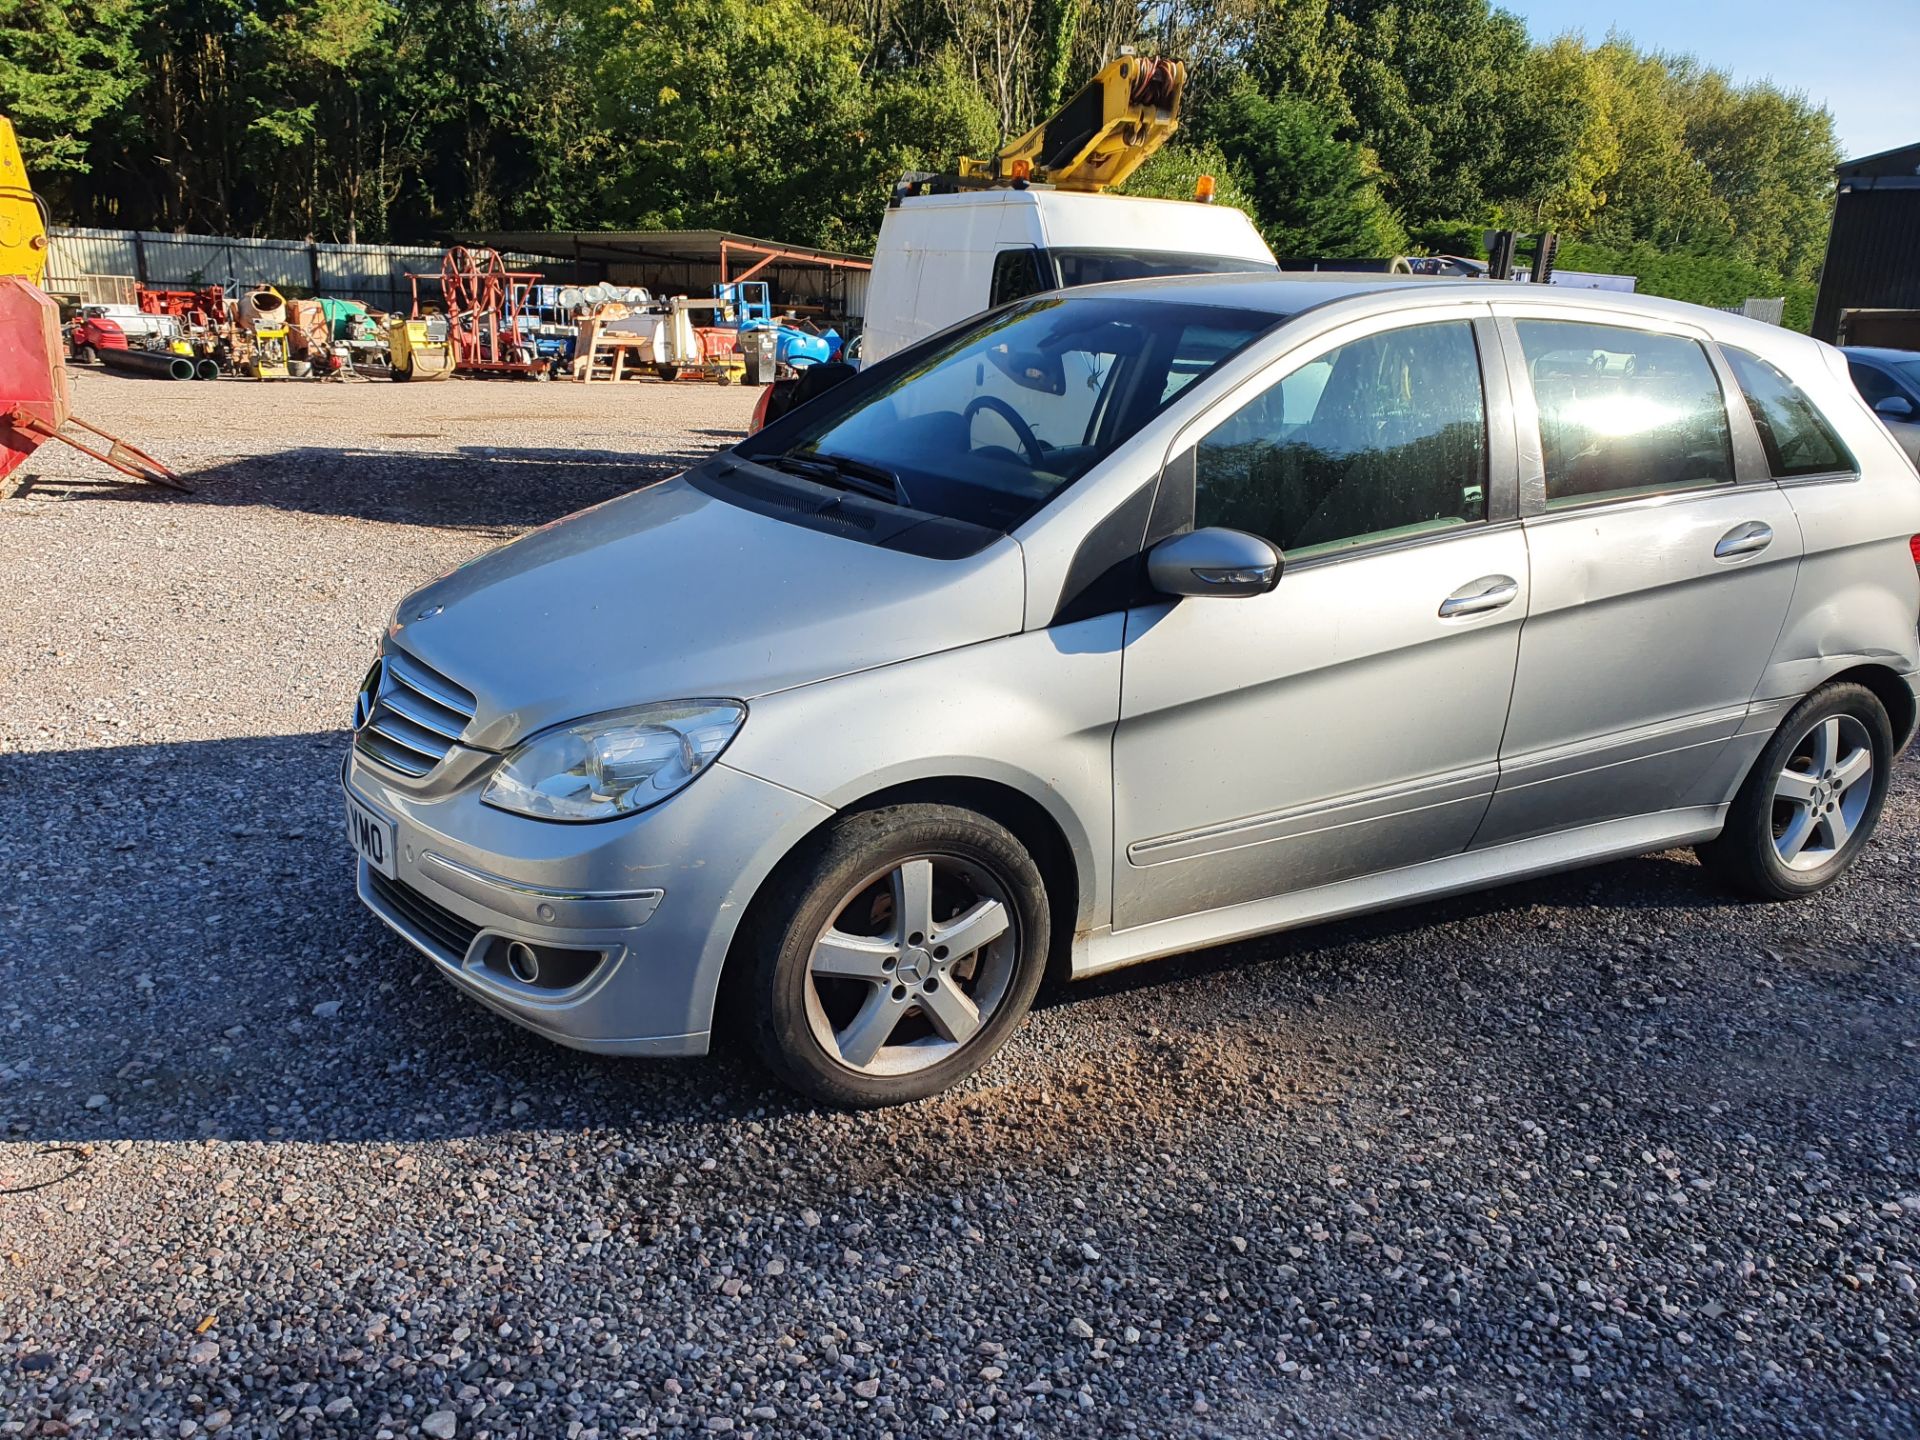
<point x="1811" y="801"/>
<point x="896" y="955"/>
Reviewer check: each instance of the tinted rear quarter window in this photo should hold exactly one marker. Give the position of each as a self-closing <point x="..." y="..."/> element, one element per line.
<point x="1796" y="436"/>
<point x="1624" y="412"/>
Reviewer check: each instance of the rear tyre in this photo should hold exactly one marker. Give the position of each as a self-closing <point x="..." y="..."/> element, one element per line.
<point x="86" y="356"/>
<point x="1811" y="800"/>
<point x="895" y="955"/>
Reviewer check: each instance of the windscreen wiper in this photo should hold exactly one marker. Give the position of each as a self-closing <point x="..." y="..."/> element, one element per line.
<point x="842" y="472"/>
<point x="881" y="482"/>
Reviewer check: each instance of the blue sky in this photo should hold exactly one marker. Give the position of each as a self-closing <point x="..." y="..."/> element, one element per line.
<point x="1859" y="58"/>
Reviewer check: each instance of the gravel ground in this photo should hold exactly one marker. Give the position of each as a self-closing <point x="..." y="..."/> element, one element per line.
<point x="1601" y="1155"/>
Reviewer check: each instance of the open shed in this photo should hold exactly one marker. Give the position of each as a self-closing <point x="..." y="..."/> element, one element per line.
<point x="1873" y="251"/>
<point x="828" y="283"/>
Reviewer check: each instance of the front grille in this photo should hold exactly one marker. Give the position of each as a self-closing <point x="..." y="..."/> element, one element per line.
<point x="413" y="715"/>
<point x="431" y="922"/>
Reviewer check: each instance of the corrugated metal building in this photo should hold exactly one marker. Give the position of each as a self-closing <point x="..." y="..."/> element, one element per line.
<point x="81" y="262"/>
<point x="1873" y="252"/>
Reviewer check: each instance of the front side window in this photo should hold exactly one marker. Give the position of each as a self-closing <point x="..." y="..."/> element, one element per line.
<point x="1795" y="435"/>
<point x="989" y="424"/>
<point x="1381" y="438"/>
<point x="1624" y="412"/>
<point x="1873" y="383"/>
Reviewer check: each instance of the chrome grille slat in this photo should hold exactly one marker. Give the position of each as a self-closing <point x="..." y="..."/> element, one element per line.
<point x="416" y="716"/>
<point x="409" y="706"/>
<point x="394" y="757"/>
<point x="390" y="725"/>
<point x="415" y="676"/>
<point x="393" y="724"/>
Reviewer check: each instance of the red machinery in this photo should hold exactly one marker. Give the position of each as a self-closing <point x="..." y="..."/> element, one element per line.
<point x="34" y="406"/>
<point x="202" y="309"/>
<point x="91" y="334"/>
<point x="483" y="303"/>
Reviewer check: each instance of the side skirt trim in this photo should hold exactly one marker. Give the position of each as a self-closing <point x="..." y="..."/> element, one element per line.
<point x="1429" y="880"/>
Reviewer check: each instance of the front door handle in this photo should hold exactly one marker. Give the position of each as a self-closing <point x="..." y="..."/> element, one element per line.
<point x="1477" y="597"/>
<point x="1747" y="538"/>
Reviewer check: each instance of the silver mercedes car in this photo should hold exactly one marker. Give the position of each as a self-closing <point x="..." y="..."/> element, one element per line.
<point x="1132" y="619"/>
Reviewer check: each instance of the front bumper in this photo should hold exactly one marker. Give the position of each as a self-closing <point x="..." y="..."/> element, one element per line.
<point x="643" y="909"/>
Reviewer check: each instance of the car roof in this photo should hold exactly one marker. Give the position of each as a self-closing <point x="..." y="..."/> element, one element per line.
<point x="1879" y="352"/>
<point x="1288" y="292"/>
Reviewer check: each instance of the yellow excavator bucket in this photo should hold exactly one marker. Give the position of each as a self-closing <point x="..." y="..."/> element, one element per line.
<point x="1099" y="137"/>
<point x="23" y="225"/>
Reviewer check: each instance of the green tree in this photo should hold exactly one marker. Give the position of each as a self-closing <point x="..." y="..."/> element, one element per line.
<point x="307" y="68"/>
<point x="1313" y="193"/>
<point x="1657" y="190"/>
<point x="65" y="64"/>
<point x="1769" y="157"/>
<point x="1173" y="173"/>
<point x="757" y="117"/>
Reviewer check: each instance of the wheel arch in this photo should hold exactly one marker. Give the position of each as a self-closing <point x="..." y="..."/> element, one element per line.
<point x="1029" y="820"/>
<point x="1890" y="687"/>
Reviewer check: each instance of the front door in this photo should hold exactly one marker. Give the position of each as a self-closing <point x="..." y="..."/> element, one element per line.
<point x="1349" y="721"/>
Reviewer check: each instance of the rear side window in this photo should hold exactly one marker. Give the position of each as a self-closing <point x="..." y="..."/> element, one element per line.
<point x="1381" y="438"/>
<point x="1624" y="412"/>
<point x="1796" y="435"/>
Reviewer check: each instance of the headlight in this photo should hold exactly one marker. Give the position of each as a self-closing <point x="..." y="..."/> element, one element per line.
<point x="614" y="764"/>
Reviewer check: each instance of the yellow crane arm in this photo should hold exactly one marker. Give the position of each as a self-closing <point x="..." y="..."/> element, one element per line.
<point x="1099" y="137"/>
<point x="23" y="226"/>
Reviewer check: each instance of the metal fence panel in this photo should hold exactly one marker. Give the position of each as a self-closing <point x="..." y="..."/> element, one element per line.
<point x="73" y="253"/>
<point x="374" y="273"/>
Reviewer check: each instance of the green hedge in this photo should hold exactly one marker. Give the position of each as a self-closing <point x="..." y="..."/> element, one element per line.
<point x="1705" y="279"/>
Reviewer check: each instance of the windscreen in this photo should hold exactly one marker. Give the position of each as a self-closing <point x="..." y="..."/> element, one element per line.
<point x="988" y="424"/>
<point x="1094" y="267"/>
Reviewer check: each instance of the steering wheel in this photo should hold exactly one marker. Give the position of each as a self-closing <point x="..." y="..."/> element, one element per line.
<point x="1036" y="453"/>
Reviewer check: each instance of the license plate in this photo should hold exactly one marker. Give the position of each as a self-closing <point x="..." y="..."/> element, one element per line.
<point x="372" y="836"/>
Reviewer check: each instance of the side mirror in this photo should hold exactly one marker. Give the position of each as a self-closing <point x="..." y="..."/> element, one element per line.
<point x="1895" y="407"/>
<point x="1214" y="561"/>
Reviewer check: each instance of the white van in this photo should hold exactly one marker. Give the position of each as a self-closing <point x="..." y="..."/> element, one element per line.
<point x="942" y="258"/>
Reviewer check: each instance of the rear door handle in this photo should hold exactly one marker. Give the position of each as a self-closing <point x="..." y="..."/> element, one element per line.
<point x="1477" y="597"/>
<point x="1747" y="538"/>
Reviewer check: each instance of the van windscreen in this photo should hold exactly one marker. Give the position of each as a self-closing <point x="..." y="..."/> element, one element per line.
<point x="1094" y="267"/>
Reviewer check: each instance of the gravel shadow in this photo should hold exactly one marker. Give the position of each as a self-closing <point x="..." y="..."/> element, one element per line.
<point x="488" y="488"/>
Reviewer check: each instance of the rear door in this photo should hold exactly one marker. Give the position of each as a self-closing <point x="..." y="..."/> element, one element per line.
<point x="1663" y="560"/>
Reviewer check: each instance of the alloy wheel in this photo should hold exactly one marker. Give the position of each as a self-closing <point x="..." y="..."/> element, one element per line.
<point x="916" y="960"/>
<point x="1821" y="795"/>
